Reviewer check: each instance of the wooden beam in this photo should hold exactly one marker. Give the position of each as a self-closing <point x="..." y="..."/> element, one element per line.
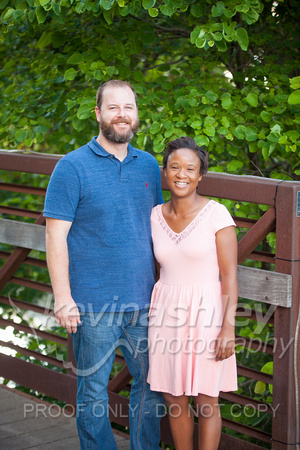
<point x="19" y="255"/>
<point x="246" y="429"/>
<point x="30" y="261"/>
<point x="265" y="286"/>
<point x="20" y="212"/>
<point x="53" y="337"/>
<point x="120" y="380"/>
<point x="245" y="401"/>
<point x="254" y="284"/>
<point x="254" y="374"/>
<point x="30" y="162"/>
<point x="236" y="187"/>
<point x="27" y="306"/>
<point x="32" y="284"/>
<point x="33" y="376"/>
<point x="21" y="234"/>
<point x="24" y="189"/>
<point x="231" y="442"/>
<point x="256" y="234"/>
<point x="33" y="354"/>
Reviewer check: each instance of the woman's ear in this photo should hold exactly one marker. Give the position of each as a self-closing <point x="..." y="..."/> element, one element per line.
<point x="200" y="177"/>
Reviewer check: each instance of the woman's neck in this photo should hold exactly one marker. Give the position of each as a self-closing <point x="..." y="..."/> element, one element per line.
<point x="185" y="206"/>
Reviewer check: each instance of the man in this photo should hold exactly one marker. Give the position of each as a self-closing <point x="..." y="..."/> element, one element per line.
<point x="99" y="255"/>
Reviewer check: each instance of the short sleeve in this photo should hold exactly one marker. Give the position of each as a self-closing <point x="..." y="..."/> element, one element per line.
<point x="63" y="192"/>
<point x="221" y="218"/>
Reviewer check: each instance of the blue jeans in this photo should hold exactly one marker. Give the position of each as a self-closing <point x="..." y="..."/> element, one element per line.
<point x="94" y="346"/>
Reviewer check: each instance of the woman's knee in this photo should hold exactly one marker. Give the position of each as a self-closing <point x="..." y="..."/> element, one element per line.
<point x="206" y="406"/>
<point x="176" y="404"/>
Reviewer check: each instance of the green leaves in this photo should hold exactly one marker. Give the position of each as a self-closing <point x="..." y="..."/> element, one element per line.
<point x="261" y="387"/>
<point x="77" y="58"/>
<point x="252" y="100"/>
<point x="196" y="124"/>
<point x="295" y="83"/>
<point x="197" y="10"/>
<point x="251" y="134"/>
<point x="44" y="40"/>
<point x="242" y="38"/>
<point x="147" y="4"/>
<point x="44" y="2"/>
<point x="168" y="9"/>
<point x="202" y="140"/>
<point x="218" y="9"/>
<point x="250" y="10"/>
<point x="86" y="108"/>
<point x="106" y="4"/>
<point x="153" y="12"/>
<point x="155" y="128"/>
<point x="266" y="116"/>
<point x="199" y="68"/>
<point x="70" y="74"/>
<point x="294" y="98"/>
<point x="234" y="165"/>
<point x="8" y="14"/>
<point x="226" y="101"/>
<point x="41" y="14"/>
<point x="21" y="136"/>
<point x="218" y="33"/>
<point x="240" y="131"/>
<point x="197" y="33"/>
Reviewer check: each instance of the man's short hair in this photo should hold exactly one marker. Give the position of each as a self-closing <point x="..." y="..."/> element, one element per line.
<point x="113" y="83"/>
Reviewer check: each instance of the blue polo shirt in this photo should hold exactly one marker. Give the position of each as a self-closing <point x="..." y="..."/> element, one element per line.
<point x="109" y="204"/>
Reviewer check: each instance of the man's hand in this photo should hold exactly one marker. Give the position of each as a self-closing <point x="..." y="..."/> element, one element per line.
<point x="225" y="345"/>
<point x="67" y="314"/>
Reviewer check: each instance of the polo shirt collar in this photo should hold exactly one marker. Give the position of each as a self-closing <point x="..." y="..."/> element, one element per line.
<point x="99" y="150"/>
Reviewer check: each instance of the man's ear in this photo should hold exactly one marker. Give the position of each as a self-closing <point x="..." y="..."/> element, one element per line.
<point x="97" y="112"/>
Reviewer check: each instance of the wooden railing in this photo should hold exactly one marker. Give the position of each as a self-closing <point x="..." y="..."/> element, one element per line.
<point x="277" y="289"/>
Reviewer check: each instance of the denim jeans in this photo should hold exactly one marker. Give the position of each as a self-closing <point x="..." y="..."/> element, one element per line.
<point x="94" y="346"/>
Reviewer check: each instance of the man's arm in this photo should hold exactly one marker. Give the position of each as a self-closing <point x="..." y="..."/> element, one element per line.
<point x="65" y="309"/>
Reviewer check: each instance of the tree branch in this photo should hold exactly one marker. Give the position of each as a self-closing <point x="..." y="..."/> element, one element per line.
<point x="180" y="31"/>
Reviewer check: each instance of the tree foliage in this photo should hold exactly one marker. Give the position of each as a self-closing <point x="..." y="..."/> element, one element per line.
<point x="224" y="72"/>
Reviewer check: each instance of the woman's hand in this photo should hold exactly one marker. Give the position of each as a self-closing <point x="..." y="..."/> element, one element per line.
<point x="225" y="345"/>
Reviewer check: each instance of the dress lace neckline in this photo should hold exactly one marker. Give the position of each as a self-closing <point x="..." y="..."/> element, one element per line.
<point x="178" y="237"/>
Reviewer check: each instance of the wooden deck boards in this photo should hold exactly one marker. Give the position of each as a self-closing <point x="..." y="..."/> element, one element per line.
<point x="26" y="423"/>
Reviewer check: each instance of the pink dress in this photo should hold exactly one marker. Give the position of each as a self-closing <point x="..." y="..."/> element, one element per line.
<point x="186" y="307"/>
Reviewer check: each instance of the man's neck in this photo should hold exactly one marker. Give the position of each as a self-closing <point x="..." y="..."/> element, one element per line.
<point x="118" y="150"/>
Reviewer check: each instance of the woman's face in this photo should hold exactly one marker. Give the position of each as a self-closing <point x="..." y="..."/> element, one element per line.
<point x="182" y="172"/>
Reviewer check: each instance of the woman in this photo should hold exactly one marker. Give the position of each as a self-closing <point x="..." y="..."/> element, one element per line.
<point x="191" y="326"/>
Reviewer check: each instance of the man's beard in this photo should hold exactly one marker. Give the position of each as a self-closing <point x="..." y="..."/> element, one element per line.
<point x="108" y="131"/>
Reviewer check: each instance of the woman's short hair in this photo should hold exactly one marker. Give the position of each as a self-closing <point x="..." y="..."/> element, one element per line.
<point x="187" y="142"/>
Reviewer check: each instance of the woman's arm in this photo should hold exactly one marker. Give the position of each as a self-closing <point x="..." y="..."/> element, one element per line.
<point x="226" y="243"/>
<point x="157" y="270"/>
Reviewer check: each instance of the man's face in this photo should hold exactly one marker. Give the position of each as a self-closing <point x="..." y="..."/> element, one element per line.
<point x="118" y="118"/>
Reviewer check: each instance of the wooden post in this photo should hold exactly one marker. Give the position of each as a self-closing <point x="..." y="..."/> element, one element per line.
<point x="286" y="424"/>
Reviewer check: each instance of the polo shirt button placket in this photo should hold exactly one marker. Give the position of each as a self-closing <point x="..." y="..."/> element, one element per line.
<point x="122" y="168"/>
